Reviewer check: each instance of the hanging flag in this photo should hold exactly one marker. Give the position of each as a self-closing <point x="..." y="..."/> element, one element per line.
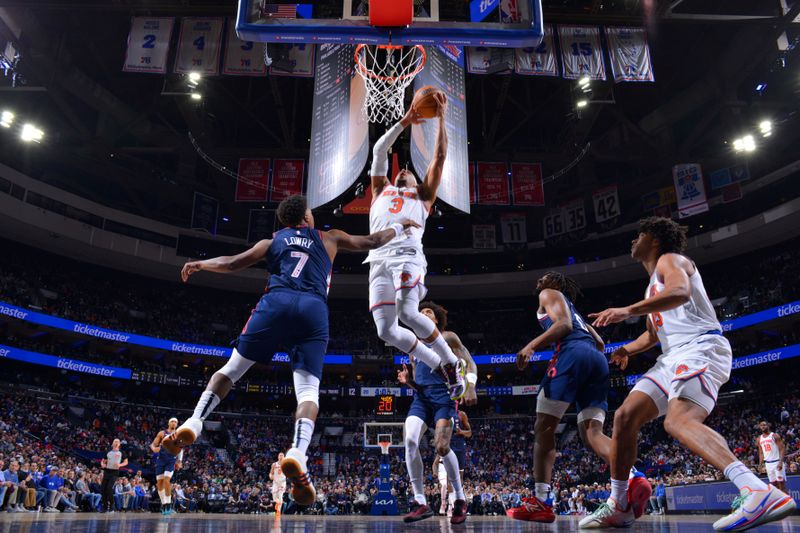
<point x="204" y="213"/>
<point x="260" y="225"/>
<point x="630" y="54"/>
<point x="513" y="227"/>
<point x="148" y="44"/>
<point x="581" y="52"/>
<point x="484" y="236"/>
<point x="253" y="181"/>
<point x="538" y="61"/>
<point x="199" y="45"/>
<point x="287" y="179"/>
<point x="689" y="189"/>
<point x="493" y="183"/>
<point x="483" y="60"/>
<point x="526" y="184"/>
<point x="606" y="203"/>
<point x="298" y="63"/>
<point x="242" y="58"/>
<point x="278" y="11"/>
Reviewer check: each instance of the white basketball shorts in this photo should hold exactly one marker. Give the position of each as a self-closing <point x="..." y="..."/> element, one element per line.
<point x="694" y="371"/>
<point x="775" y="471"/>
<point x="278" y="487"/>
<point x="388" y="276"/>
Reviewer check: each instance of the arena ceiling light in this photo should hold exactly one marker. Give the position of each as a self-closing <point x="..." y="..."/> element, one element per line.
<point x="193" y="79"/>
<point x="584" y="82"/>
<point x="581" y="103"/>
<point x="745" y="144"/>
<point x="766" y="128"/>
<point x="31" y="133"/>
<point x="197" y="96"/>
<point x="6" y="119"/>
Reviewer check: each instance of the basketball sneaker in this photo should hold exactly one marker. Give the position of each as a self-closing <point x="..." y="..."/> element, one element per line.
<point x="453" y="375"/>
<point x="418" y="512"/>
<point x="533" y="510"/>
<point x="608" y="514"/>
<point x="459" y="512"/>
<point x="639" y="491"/>
<point x="294" y="467"/>
<point x="756" y="507"/>
<point x="184" y="436"/>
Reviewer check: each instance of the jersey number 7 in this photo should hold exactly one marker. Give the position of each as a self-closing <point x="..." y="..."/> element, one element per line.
<point x="303" y="258"/>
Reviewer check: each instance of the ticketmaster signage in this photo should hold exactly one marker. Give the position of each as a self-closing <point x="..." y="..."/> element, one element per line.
<point x="715" y="497"/>
<point x="7" y="352"/>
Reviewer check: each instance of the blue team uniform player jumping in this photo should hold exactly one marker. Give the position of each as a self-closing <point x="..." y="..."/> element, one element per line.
<point x="577" y="373"/>
<point x="292" y="315"/>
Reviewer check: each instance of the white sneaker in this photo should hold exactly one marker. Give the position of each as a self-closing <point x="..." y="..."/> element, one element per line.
<point x="608" y="515"/>
<point x="294" y="468"/>
<point x="186" y="435"/>
<point x="756" y="507"/>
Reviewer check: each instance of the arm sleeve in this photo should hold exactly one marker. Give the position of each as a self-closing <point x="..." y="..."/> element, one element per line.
<point x="380" y="152"/>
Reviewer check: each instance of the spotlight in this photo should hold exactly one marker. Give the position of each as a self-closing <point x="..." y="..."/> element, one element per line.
<point x="226" y="219"/>
<point x="6" y="119"/>
<point x="584" y="82"/>
<point x="338" y="212"/>
<point x="197" y="96"/>
<point x="765" y="127"/>
<point x="761" y="87"/>
<point x="31" y="133"/>
<point x="582" y="103"/>
<point x="194" y="76"/>
<point x="745" y="144"/>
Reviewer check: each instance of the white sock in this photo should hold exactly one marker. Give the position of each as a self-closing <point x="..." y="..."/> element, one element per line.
<point x="619" y="492"/>
<point x="443" y="350"/>
<point x="453" y="475"/>
<point x="416" y="471"/>
<point x="303" y="429"/>
<point x="169" y="499"/>
<point x="425" y="355"/>
<point x="451" y="497"/>
<point x="541" y="490"/>
<point x="742" y="477"/>
<point x="205" y="405"/>
<point x="162" y="495"/>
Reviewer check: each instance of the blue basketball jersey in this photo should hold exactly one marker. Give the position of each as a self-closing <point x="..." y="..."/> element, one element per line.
<point x="424" y="375"/>
<point x="580" y="332"/>
<point x="297" y="260"/>
<point x="457" y="442"/>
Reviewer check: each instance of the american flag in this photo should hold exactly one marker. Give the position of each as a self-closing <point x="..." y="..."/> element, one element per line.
<point x="279" y="11"/>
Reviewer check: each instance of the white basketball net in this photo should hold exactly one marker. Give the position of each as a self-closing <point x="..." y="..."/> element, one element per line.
<point x="387" y="70"/>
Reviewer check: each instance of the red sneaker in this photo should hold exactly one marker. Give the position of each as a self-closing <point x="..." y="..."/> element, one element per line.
<point x="639" y="491"/>
<point x="418" y="512"/>
<point x="459" y="512"/>
<point x="533" y="510"/>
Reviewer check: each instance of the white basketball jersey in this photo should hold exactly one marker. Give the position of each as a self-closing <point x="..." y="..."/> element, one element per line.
<point x="769" y="447"/>
<point x="686" y="322"/>
<point x="277" y="473"/>
<point x="393" y="206"/>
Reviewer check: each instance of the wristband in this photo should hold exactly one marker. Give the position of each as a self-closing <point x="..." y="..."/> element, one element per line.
<point x="472" y="378"/>
<point x="397" y="227"/>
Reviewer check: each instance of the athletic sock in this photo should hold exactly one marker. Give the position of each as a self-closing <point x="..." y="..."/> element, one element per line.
<point x="416" y="472"/>
<point x="162" y="496"/>
<point x="742" y="477"/>
<point x="425" y="355"/>
<point x="453" y="475"/>
<point x="451" y="498"/>
<point x="619" y="492"/>
<point x="541" y="491"/>
<point x="303" y="430"/>
<point x="205" y="405"/>
<point x="443" y="350"/>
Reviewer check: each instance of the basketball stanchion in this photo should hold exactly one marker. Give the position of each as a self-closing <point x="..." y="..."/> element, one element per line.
<point x="384" y="502"/>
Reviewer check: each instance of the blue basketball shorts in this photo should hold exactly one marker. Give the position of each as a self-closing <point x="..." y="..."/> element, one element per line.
<point x="578" y="374"/>
<point x="432" y="403"/>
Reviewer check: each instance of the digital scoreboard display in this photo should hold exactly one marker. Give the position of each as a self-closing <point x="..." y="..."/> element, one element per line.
<point x="385" y="406"/>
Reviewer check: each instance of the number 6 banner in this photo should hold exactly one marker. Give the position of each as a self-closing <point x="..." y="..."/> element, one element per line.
<point x="581" y="52"/>
<point x="199" y="46"/>
<point x="148" y="44"/>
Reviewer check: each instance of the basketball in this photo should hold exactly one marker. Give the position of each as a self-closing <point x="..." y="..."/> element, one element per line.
<point x="425" y="103"/>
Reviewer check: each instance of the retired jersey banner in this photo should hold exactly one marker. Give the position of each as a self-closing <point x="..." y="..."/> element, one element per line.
<point x="300" y="62"/>
<point x="539" y="61"/>
<point x="630" y="54"/>
<point x="514" y="228"/>
<point x="493" y="184"/>
<point x="242" y="58"/>
<point x="581" y="52"/>
<point x="253" y="181"/>
<point x="148" y="44"/>
<point x="199" y="45"/>
<point x="689" y="189"/>
<point x="260" y="225"/>
<point x="287" y="178"/>
<point x="484" y="236"/>
<point x="526" y="184"/>
<point x="482" y="60"/>
<point x="606" y="203"/>
<point x="204" y="213"/>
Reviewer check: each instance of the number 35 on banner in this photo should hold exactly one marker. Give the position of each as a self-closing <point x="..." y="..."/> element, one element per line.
<point x="606" y="203"/>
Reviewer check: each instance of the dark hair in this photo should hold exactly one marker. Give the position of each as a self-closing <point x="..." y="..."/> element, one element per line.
<point x="292" y="210"/>
<point x="671" y="236"/>
<point x="566" y="285"/>
<point x="438" y="311"/>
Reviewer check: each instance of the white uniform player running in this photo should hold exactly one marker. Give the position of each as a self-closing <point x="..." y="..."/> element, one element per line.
<point x="278" y="479"/>
<point x="771" y="450"/>
<point x="683" y="384"/>
<point x="397" y="269"/>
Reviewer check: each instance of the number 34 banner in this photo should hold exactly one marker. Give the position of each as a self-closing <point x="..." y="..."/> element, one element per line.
<point x="199" y="46"/>
<point x="148" y="44"/>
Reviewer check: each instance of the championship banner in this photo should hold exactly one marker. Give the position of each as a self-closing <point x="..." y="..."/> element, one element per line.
<point x="493" y="184"/>
<point x="199" y="45"/>
<point x="242" y="58"/>
<point x="689" y="189"/>
<point x="581" y="52"/>
<point x="539" y="61"/>
<point x="148" y="45"/>
<point x="253" y="182"/>
<point x="484" y="236"/>
<point x="514" y="228"/>
<point x="606" y="203"/>
<point x="526" y="184"/>
<point x="301" y="61"/>
<point x="659" y="198"/>
<point x="260" y="225"/>
<point x="629" y="54"/>
<point x="204" y="213"/>
<point x="483" y="60"/>
<point x="287" y="178"/>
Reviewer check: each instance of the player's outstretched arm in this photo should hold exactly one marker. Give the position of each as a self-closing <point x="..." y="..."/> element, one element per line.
<point x="363" y="243"/>
<point x="453" y="340"/>
<point x="228" y="263"/>
<point x="466" y="428"/>
<point x="433" y="177"/>
<point x="379" y="172"/>
<point x="557" y="309"/>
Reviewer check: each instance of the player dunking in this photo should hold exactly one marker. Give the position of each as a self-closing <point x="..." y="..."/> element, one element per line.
<point x="683" y="384"/>
<point x="278" y="483"/>
<point x="771" y="450"/>
<point x="166" y="464"/>
<point x="578" y="373"/>
<point x="432" y="406"/>
<point x="397" y="270"/>
<point x="294" y="313"/>
<point x="458" y="443"/>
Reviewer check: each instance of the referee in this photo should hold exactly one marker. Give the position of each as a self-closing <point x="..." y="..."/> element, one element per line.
<point x="111" y="465"/>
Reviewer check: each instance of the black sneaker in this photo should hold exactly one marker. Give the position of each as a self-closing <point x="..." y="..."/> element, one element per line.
<point x="418" y="512"/>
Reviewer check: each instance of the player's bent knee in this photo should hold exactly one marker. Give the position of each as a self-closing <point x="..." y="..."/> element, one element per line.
<point x="306" y="387"/>
<point x="236" y="366"/>
<point x="592" y="413"/>
<point x="442" y="449"/>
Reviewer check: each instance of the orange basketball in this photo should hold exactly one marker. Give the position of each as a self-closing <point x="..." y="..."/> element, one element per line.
<point x="424" y="102"/>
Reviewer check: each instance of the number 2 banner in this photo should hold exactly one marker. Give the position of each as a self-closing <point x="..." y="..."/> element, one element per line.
<point x="581" y="52"/>
<point x="199" y="46"/>
<point x="148" y="44"/>
<point x="243" y="58"/>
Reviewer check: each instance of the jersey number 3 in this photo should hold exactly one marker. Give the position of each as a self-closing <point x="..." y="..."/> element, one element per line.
<point x="397" y="205"/>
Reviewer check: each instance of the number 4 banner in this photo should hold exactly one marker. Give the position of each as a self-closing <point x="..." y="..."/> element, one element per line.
<point x="199" y="46"/>
<point x="581" y="52"/>
<point x="243" y="58"/>
<point x="148" y="44"/>
<point x="606" y="203"/>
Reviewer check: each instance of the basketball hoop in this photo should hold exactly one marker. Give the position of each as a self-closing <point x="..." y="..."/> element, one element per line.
<point x="385" y="442"/>
<point x="387" y="70"/>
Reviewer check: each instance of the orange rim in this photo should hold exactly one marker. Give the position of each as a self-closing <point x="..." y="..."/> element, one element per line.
<point x="364" y="71"/>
